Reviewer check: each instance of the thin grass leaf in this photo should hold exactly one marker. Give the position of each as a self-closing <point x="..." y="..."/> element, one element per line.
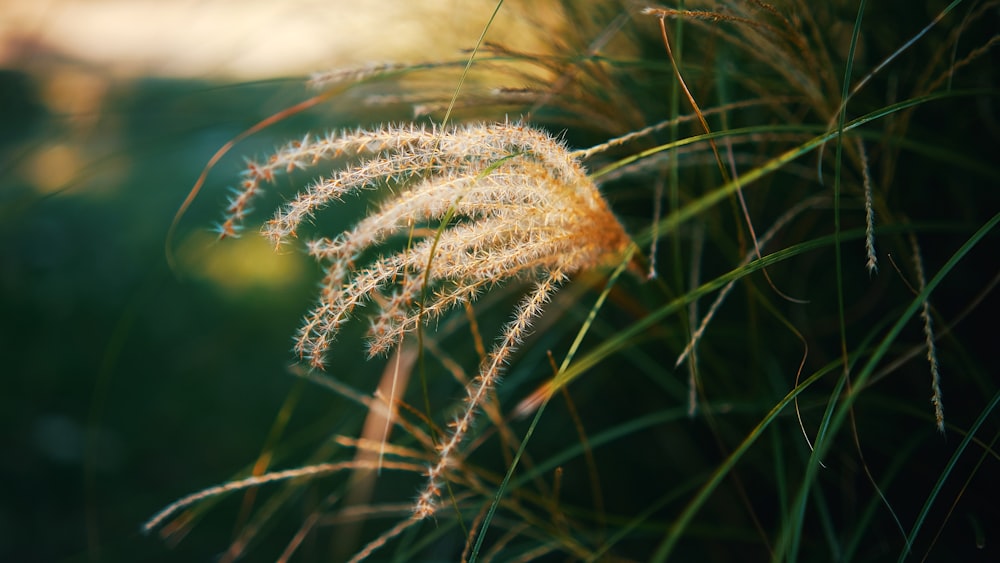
<point x="840" y="413"/>
<point x="947" y="471"/>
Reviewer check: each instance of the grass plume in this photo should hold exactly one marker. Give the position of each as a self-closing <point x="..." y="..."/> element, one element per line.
<point x="480" y="203"/>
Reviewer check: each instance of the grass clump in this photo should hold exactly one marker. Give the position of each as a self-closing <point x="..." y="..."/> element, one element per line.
<point x="790" y="123"/>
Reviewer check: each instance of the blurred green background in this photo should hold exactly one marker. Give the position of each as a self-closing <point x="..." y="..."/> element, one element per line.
<point x="128" y="384"/>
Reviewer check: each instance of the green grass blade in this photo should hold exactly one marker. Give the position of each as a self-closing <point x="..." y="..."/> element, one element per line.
<point x="838" y="419"/>
<point x="947" y="473"/>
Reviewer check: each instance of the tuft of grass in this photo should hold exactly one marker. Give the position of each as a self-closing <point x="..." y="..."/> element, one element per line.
<point x="784" y="452"/>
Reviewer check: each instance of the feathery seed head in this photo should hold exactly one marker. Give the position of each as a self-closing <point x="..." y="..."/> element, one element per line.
<point x="480" y="204"/>
<point x="517" y="203"/>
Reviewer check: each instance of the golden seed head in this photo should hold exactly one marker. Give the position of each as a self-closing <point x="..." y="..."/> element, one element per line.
<point x="516" y="202"/>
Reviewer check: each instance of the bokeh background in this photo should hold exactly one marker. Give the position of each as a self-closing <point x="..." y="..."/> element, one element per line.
<point x="128" y="384"/>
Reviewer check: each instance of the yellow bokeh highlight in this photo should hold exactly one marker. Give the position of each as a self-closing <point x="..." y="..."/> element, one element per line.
<point x="241" y="264"/>
<point x="53" y="167"/>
